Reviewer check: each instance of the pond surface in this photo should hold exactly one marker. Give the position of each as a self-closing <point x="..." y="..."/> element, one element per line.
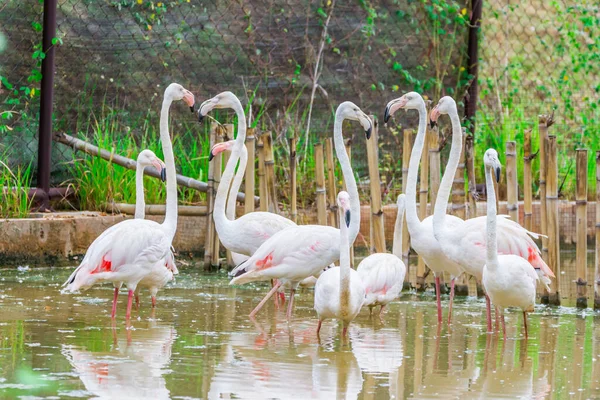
<point x="199" y="343"/>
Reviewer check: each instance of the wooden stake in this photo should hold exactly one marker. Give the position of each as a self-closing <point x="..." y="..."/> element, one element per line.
<point x="423" y="191"/>
<point x="267" y="140"/>
<point x="581" y="205"/>
<point x="512" y="185"/>
<point x="544" y="122"/>
<point x="249" y="175"/>
<point x="470" y="161"/>
<point x="293" y="181"/>
<point x="331" y="186"/>
<point x="597" y="267"/>
<point x="320" y="180"/>
<point x="527" y="182"/>
<point x="552" y="218"/>
<point x="262" y="178"/>
<point x="210" y="200"/>
<point x="406" y="150"/>
<point x="377" y="223"/>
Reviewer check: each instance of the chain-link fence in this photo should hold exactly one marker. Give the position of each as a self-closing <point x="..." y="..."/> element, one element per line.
<point x="114" y="58"/>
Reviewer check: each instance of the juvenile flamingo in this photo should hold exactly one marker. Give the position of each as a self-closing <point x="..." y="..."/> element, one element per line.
<point x="421" y="232"/>
<point x="464" y="242"/>
<point x="302" y="251"/>
<point x="383" y="274"/>
<point x="130" y="249"/>
<point x="340" y="292"/>
<point x="509" y="280"/>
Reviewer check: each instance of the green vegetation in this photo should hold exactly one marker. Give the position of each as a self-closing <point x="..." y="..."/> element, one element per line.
<point x="14" y="185"/>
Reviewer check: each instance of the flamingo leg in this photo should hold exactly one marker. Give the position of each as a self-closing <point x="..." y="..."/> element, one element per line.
<point x="265" y="299"/>
<point x="525" y="323"/>
<point x="282" y="298"/>
<point x="290" y="304"/>
<point x="114" y="306"/>
<point x="319" y="327"/>
<point x="439" y="301"/>
<point x="129" y="304"/>
<point x="451" y="301"/>
<point x="273" y="283"/>
<point x="497" y="327"/>
<point x="379" y="315"/>
<point x="488" y="312"/>
<point x="153" y="301"/>
<point x="503" y="326"/>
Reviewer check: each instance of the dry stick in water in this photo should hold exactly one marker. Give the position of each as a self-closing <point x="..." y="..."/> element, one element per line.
<point x="262" y="179"/>
<point x="423" y="191"/>
<point x="320" y="180"/>
<point x="331" y="187"/>
<point x="377" y="223"/>
<point x="470" y="161"/>
<point x="249" y="175"/>
<point x="552" y="218"/>
<point x="407" y="139"/>
<point x="293" y="180"/>
<point x="581" y="205"/>
<point x="267" y="140"/>
<point x="527" y="188"/>
<point x="512" y="186"/>
<point x="597" y="267"/>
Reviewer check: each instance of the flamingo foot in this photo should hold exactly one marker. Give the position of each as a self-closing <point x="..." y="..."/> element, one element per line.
<point x="488" y="311"/>
<point x="290" y="304"/>
<point x="265" y="299"/>
<point x="153" y="301"/>
<point x="439" y="301"/>
<point x="451" y="301"/>
<point x="114" y="306"/>
<point x="129" y="304"/>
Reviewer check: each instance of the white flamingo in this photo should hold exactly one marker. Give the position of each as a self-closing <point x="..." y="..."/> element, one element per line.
<point x="302" y="251"/>
<point x="383" y="274"/>
<point x="509" y="280"/>
<point x="129" y="250"/>
<point x="162" y="272"/>
<point x="421" y="232"/>
<point x="340" y="292"/>
<point x="464" y="242"/>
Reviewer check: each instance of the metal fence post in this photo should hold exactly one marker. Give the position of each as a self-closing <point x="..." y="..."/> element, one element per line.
<point x="472" y="62"/>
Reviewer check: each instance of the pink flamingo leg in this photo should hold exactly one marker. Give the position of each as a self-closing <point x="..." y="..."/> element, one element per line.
<point x="290" y="304"/>
<point x="319" y="327"/>
<point x="265" y="299"/>
<point x="451" y="301"/>
<point x="114" y="307"/>
<point x="129" y="304"/>
<point x="497" y="326"/>
<point x="488" y="311"/>
<point x="525" y="323"/>
<point x="439" y="301"/>
<point x="153" y="301"/>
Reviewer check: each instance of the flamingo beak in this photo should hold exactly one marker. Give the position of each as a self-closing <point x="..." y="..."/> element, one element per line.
<point x="434" y="115"/>
<point x="498" y="170"/>
<point x="368" y="132"/>
<point x="347" y="217"/>
<point x="188" y="97"/>
<point x="160" y="167"/>
<point x="392" y="106"/>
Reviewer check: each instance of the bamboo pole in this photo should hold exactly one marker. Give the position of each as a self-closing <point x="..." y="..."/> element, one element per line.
<point x="544" y="122"/>
<point x="581" y="205"/>
<point x="435" y="169"/>
<point x="320" y="180"/>
<point x="423" y="191"/>
<point x="249" y="174"/>
<point x="348" y="145"/>
<point x="527" y="182"/>
<point x="406" y="150"/>
<point x="552" y="218"/>
<point x="597" y="267"/>
<point x="210" y="201"/>
<point x="262" y="179"/>
<point x="377" y="223"/>
<point x="293" y="180"/>
<point x="512" y="185"/>
<point x="221" y="133"/>
<point x="156" y="209"/>
<point x="331" y="192"/>
<point x="226" y="155"/>
<point x="470" y="165"/>
<point x="267" y="140"/>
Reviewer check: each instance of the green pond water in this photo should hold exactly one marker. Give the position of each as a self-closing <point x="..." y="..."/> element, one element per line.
<point x="200" y="344"/>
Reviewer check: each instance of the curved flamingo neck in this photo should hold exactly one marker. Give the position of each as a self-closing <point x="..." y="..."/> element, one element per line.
<point x="237" y="183"/>
<point x="412" y="219"/>
<point x="344" y="266"/>
<point x="492" y="243"/>
<point x="441" y="203"/>
<point x="222" y="223"/>
<point x="140" y="201"/>
<point x="351" y="188"/>
<point x="170" y="222"/>
<point x="397" y="246"/>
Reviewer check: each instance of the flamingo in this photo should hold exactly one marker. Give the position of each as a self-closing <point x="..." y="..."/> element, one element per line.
<point x="464" y="242"/>
<point x="383" y="274"/>
<point x="301" y="251"/>
<point x="508" y="279"/>
<point x="421" y="232"/>
<point x="340" y="292"/>
<point x="128" y="251"/>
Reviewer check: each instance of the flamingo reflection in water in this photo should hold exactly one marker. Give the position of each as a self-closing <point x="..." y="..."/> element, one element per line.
<point x="134" y="370"/>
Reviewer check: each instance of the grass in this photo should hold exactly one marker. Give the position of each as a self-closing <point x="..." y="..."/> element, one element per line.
<point x="15" y="183"/>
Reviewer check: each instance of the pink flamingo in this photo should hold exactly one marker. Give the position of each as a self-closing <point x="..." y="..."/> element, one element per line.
<point x="127" y="252"/>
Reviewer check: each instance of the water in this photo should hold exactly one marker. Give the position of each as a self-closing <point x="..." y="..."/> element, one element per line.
<point x="199" y="343"/>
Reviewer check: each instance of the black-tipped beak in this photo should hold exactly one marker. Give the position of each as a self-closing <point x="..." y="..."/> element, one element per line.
<point x="163" y="174"/>
<point x="498" y="169"/>
<point x="200" y="116"/>
<point x="368" y="132"/>
<point x="347" y="217"/>
<point x="386" y="115"/>
<point x="210" y="156"/>
<point x="192" y="108"/>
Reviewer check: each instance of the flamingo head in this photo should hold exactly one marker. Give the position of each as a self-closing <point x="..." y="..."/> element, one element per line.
<point x="219" y="148"/>
<point x="343" y="201"/>
<point x="222" y="100"/>
<point x="410" y="101"/>
<point x="147" y="158"/>
<point x="349" y="110"/>
<point x="177" y="92"/>
<point x="446" y="105"/>
<point x="492" y="161"/>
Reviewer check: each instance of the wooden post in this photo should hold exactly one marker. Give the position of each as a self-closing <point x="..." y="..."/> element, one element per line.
<point x="597" y="267"/>
<point x="210" y="200"/>
<point x="527" y="182"/>
<point x="348" y="145"/>
<point x="262" y="178"/>
<point x="435" y="170"/>
<point x="331" y="186"/>
<point x="293" y="182"/>
<point x="221" y="133"/>
<point x="470" y="161"/>
<point x="406" y="150"/>
<point x="267" y="140"/>
<point x="423" y="191"/>
<point x="581" y="205"/>
<point x="226" y="155"/>
<point x="512" y="185"/>
<point x="377" y="223"/>
<point x="552" y="218"/>
<point x="249" y="175"/>
<point x="544" y="122"/>
<point x="321" y="191"/>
